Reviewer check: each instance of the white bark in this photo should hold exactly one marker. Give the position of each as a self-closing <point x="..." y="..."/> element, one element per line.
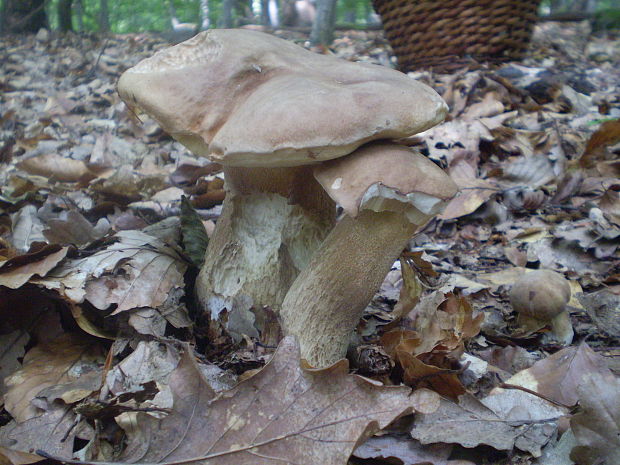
<point x="204" y="15"/>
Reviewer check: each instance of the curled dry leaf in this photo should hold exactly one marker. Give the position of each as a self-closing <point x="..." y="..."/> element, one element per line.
<point x="503" y="421"/>
<point x="56" y="168"/>
<point x="474" y="191"/>
<point x="136" y="270"/>
<point x="597" y="428"/>
<point x="67" y="368"/>
<point x="16" y="272"/>
<point x="407" y="450"/>
<point x="427" y="355"/>
<point x="558" y="376"/>
<point x="283" y="414"/>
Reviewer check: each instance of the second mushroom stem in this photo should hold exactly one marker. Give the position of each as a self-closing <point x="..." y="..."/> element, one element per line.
<point x="327" y="299"/>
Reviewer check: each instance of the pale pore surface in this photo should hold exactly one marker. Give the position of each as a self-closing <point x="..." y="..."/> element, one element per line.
<point x="244" y="98"/>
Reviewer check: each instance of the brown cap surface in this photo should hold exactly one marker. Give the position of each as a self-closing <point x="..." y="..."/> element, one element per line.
<point x="384" y="176"/>
<point x="540" y="294"/>
<point x="245" y="98"/>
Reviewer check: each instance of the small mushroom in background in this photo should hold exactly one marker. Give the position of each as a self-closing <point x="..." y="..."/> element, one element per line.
<point x="268" y="111"/>
<point x="540" y="298"/>
<point x="388" y="192"/>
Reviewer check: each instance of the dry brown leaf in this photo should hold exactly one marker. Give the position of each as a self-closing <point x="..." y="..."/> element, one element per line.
<point x="609" y="203"/>
<point x="422" y="375"/>
<point x="56" y="168"/>
<point x="410" y="291"/>
<point x="405" y="449"/>
<point x="503" y="421"/>
<point x="67" y="368"/>
<point x="558" y="376"/>
<point x="283" y="414"/>
<point x="604" y="308"/>
<point x="73" y="228"/>
<point x="136" y="270"/>
<point x="16" y="272"/>
<point x="27" y="228"/>
<point x="11" y="351"/>
<point x="597" y="428"/>
<point x="474" y="191"/>
<point x="608" y="134"/>
<point x="15" y="457"/>
<point x="444" y="321"/>
<point x="52" y="431"/>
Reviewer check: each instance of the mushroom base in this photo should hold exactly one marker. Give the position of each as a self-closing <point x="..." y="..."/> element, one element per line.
<point x="561" y="327"/>
<point x="327" y="299"/>
<point x="266" y="234"/>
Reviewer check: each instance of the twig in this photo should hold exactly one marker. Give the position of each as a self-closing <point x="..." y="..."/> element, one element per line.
<point x="534" y="393"/>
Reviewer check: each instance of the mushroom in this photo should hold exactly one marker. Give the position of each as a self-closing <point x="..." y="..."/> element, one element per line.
<point x="388" y="192"/>
<point x="267" y="109"/>
<point x="540" y="298"/>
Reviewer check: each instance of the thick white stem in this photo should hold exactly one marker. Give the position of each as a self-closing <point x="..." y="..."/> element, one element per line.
<point x="272" y="221"/>
<point x="327" y="299"/>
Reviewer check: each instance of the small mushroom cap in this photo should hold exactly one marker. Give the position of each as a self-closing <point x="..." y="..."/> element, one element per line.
<point x="540" y="294"/>
<point x="245" y="98"/>
<point x="384" y="176"/>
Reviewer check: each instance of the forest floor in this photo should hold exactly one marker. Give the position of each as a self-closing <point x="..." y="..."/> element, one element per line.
<point x="91" y="215"/>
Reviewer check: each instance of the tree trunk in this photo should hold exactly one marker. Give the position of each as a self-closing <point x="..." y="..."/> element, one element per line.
<point x="264" y="13"/>
<point x="79" y="15"/>
<point x="23" y="16"/>
<point x="226" y="20"/>
<point x="274" y="13"/>
<point x="204" y="15"/>
<point x="104" y="16"/>
<point x="64" y="15"/>
<point x="323" y="27"/>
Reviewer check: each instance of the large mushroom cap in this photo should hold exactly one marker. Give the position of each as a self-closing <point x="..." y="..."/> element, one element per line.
<point x="245" y="98"/>
<point x="384" y="176"/>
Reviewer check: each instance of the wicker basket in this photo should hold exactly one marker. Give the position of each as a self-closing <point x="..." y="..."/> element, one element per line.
<point x="445" y="34"/>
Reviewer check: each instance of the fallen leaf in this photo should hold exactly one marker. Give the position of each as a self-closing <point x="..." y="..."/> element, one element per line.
<point x="473" y="191"/>
<point x="56" y="168"/>
<point x="136" y="270"/>
<point x="407" y="450"/>
<point x="195" y="239"/>
<point x="608" y="134"/>
<point x="596" y="428"/>
<point x="503" y="421"/>
<point x="68" y="368"/>
<point x="604" y="309"/>
<point x="72" y="228"/>
<point x="283" y="414"/>
<point x="15" y="457"/>
<point x="558" y="376"/>
<point x="12" y="349"/>
<point x="16" y="272"/>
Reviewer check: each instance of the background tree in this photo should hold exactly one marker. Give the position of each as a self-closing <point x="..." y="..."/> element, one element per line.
<point x="65" y="13"/>
<point x="323" y="27"/>
<point x="23" y="16"/>
<point x="104" y="16"/>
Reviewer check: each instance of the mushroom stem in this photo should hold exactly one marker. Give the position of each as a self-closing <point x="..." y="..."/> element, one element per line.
<point x="561" y="327"/>
<point x="327" y="299"/>
<point x="270" y="225"/>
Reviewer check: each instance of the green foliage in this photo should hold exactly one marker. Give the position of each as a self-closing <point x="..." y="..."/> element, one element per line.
<point x="605" y="20"/>
<point x="195" y="239"/>
<point x="154" y="15"/>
